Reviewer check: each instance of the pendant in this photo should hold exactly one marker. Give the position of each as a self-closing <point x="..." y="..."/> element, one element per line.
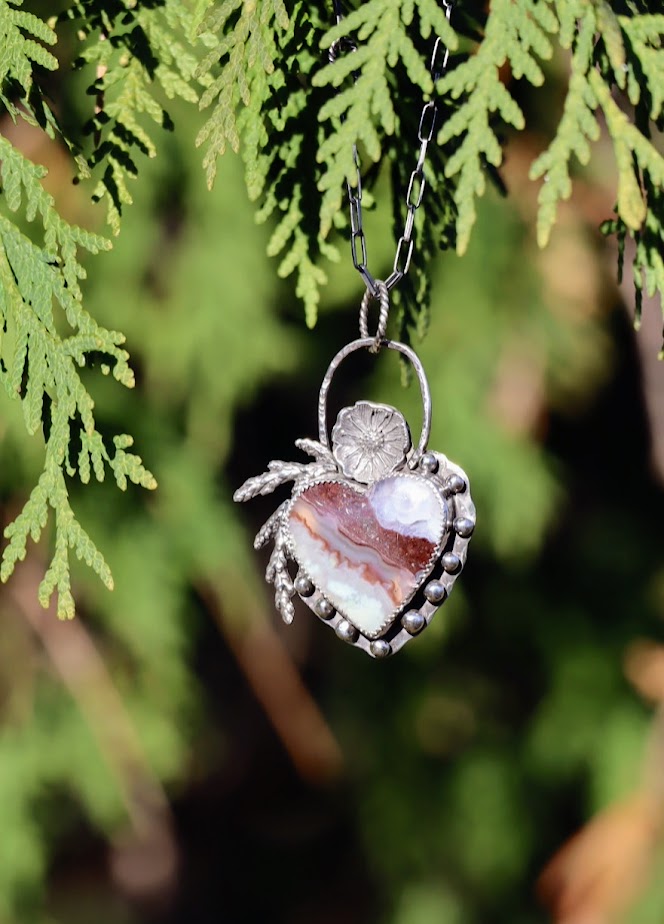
<point x="378" y="529"/>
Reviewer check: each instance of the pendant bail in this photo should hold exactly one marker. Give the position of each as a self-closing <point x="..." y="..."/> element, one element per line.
<point x="384" y="298"/>
<point x="412" y="357"/>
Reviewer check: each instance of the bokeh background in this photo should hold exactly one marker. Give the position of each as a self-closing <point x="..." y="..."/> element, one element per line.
<point x="176" y="755"/>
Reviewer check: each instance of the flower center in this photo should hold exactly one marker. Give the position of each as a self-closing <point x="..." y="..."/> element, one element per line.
<point x="372" y="442"/>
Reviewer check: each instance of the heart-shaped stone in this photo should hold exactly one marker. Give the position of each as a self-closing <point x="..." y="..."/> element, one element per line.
<point x="369" y="549"/>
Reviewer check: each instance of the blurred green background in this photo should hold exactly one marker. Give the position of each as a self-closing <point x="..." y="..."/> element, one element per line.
<point x="177" y="755"/>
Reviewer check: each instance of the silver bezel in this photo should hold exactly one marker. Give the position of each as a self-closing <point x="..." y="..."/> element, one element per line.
<point x="359" y="488"/>
<point x="420" y="462"/>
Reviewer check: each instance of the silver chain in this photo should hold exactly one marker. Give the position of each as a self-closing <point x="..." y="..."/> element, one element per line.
<point x="416" y="185"/>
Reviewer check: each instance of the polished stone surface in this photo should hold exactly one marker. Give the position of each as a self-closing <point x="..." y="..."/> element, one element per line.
<point x="368" y="550"/>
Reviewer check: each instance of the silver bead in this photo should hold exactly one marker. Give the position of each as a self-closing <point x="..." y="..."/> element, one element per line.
<point x="380" y="649"/>
<point x="346" y="632"/>
<point x="324" y="609"/>
<point x="464" y="526"/>
<point x="413" y="622"/>
<point x="429" y="463"/>
<point x="451" y="562"/>
<point x="455" y="484"/>
<point x="304" y="586"/>
<point x="435" y="592"/>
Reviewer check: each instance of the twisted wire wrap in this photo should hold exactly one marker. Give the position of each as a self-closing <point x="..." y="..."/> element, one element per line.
<point x="384" y="298"/>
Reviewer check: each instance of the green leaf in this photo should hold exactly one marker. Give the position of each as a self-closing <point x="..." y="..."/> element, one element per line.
<point x="134" y="53"/>
<point x="634" y="153"/>
<point x="40" y="367"/>
<point x="578" y="126"/>
<point x="244" y="53"/>
<point x="515" y="34"/>
<point x="19" y="52"/>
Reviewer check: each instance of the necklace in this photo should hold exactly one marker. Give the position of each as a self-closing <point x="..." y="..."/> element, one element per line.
<point x="377" y="527"/>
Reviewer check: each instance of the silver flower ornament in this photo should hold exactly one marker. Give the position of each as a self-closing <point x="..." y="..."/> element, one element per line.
<point x="377" y="528"/>
<point x="370" y="441"/>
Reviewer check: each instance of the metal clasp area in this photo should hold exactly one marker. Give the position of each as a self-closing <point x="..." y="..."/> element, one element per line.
<point x="382" y="295"/>
<point x="370" y="344"/>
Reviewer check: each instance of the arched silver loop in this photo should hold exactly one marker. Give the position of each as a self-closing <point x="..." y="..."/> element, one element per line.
<point x="367" y="343"/>
<point x="384" y="298"/>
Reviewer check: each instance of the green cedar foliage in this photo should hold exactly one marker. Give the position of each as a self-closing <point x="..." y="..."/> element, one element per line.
<point x="131" y="55"/>
<point x="260" y="69"/>
<point x="171" y="548"/>
<point x="287" y="100"/>
<point x="163" y="286"/>
<point x="136" y="49"/>
<point x="371" y="90"/>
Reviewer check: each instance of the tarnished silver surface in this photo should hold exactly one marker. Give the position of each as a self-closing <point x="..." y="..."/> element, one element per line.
<point x="429" y="463"/>
<point x="303" y="586"/>
<point x="451" y="562"/>
<point x="370" y="441"/>
<point x="356" y="457"/>
<point x="346" y="631"/>
<point x="384" y="299"/>
<point x="365" y="344"/>
<point x="435" y="592"/>
<point x="323" y="608"/>
<point x="413" y="622"/>
<point x="380" y="649"/>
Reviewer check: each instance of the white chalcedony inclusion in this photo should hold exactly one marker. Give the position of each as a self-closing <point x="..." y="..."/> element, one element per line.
<point x="409" y="506"/>
<point x="360" y="579"/>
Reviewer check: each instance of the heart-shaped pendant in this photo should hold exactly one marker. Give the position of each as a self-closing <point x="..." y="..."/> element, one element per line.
<point x="368" y="549"/>
<point x="374" y="524"/>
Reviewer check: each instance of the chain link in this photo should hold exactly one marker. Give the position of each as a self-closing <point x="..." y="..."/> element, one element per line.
<point x="417" y="183"/>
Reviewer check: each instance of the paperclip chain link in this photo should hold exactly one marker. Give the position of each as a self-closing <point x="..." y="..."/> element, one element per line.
<point x="416" y="185"/>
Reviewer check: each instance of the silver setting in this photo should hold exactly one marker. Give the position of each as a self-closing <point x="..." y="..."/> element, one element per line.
<point x="346" y="631"/>
<point x="303" y="586"/>
<point x="329" y="462"/>
<point x="429" y="463"/>
<point x="455" y="484"/>
<point x="464" y="526"/>
<point x="435" y="592"/>
<point x="324" y="608"/>
<point x="451" y="562"/>
<point x="380" y="649"/>
<point x="370" y="441"/>
<point x="362" y="489"/>
<point x="413" y="622"/>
